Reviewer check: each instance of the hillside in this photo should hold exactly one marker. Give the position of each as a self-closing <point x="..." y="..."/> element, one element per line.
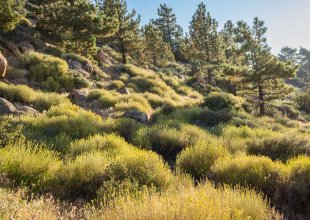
<point x="96" y="132"/>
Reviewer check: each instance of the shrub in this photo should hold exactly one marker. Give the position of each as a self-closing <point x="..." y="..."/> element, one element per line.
<point x="68" y="120"/>
<point x="209" y="118"/>
<point x="298" y="187"/>
<point x="169" y="141"/>
<point x="254" y="171"/>
<point x="197" y="160"/>
<point x="303" y="101"/>
<point x="124" y="127"/>
<point x="121" y="103"/>
<point x="81" y="177"/>
<point x="43" y="66"/>
<point x="116" y="84"/>
<point x="203" y="202"/>
<point x="10" y="131"/>
<point x="219" y="101"/>
<point x="111" y="144"/>
<point x="146" y="168"/>
<point x="280" y="146"/>
<point x="24" y="94"/>
<point x="18" y="205"/>
<point x="29" y="164"/>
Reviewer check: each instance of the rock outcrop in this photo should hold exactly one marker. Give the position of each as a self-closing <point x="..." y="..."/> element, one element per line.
<point x="137" y="115"/>
<point x="3" y="66"/>
<point x="6" y="107"/>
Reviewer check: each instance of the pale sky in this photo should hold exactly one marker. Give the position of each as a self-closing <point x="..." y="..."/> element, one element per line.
<point x="288" y="21"/>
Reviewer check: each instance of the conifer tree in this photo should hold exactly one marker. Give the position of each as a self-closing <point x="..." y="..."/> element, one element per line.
<point x="11" y="12"/>
<point x="172" y="32"/>
<point x="264" y="74"/>
<point x="156" y="51"/>
<point x="127" y="38"/>
<point x="75" y="25"/>
<point x="205" y="44"/>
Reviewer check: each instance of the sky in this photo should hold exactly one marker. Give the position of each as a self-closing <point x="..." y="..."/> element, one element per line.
<point x="288" y="21"/>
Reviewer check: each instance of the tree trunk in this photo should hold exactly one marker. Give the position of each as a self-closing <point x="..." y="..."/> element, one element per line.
<point x="209" y="76"/>
<point x="261" y="101"/>
<point x="124" y="57"/>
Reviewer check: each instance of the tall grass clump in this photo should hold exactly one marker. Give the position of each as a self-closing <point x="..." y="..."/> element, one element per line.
<point x="198" y="159"/>
<point x="29" y="164"/>
<point x="280" y="146"/>
<point x="43" y="66"/>
<point x="26" y="95"/>
<point x="203" y="202"/>
<point x="144" y="167"/>
<point x="297" y="194"/>
<point x="65" y="120"/>
<point x="258" y="172"/>
<point x="121" y="103"/>
<point x="169" y="140"/>
<point x="80" y="177"/>
<point x="219" y="101"/>
<point x="112" y="145"/>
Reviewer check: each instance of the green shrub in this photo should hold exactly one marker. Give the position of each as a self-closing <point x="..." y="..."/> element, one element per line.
<point x="303" y="102"/>
<point x="29" y="164"/>
<point x="68" y="120"/>
<point x="43" y="66"/>
<point x="112" y="145"/>
<point x="198" y="159"/>
<point x="81" y="177"/>
<point x="24" y="94"/>
<point x="146" y="168"/>
<point x="169" y="140"/>
<point x="219" y="101"/>
<point x="280" y="146"/>
<point x="202" y="202"/>
<point x="298" y="188"/>
<point x="209" y="118"/>
<point x="10" y="131"/>
<point x="124" y="127"/>
<point x="116" y="84"/>
<point x="254" y="171"/>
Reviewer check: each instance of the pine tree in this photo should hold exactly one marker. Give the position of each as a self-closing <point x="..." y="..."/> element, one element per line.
<point x="205" y="44"/>
<point x="11" y="13"/>
<point x="290" y="54"/>
<point x="156" y="51"/>
<point x="172" y="32"/>
<point x="264" y="74"/>
<point x="75" y="25"/>
<point x="127" y="38"/>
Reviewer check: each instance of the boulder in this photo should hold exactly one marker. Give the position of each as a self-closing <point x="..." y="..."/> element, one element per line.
<point x="73" y="64"/>
<point x="124" y="90"/>
<point x="13" y="49"/>
<point x="24" y="109"/>
<point x="88" y="67"/>
<point x="6" y="107"/>
<point x="25" y="46"/>
<point x="103" y="57"/>
<point x="3" y="66"/>
<point x="77" y="96"/>
<point x="137" y="115"/>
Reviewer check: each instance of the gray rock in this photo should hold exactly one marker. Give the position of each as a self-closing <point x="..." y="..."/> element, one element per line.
<point x="137" y="115"/>
<point x="3" y="65"/>
<point x="24" y="109"/>
<point x="25" y="46"/>
<point x="103" y="57"/>
<point x="73" y="64"/>
<point x="124" y="90"/>
<point x="77" y="96"/>
<point x="88" y="67"/>
<point x="6" y="107"/>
